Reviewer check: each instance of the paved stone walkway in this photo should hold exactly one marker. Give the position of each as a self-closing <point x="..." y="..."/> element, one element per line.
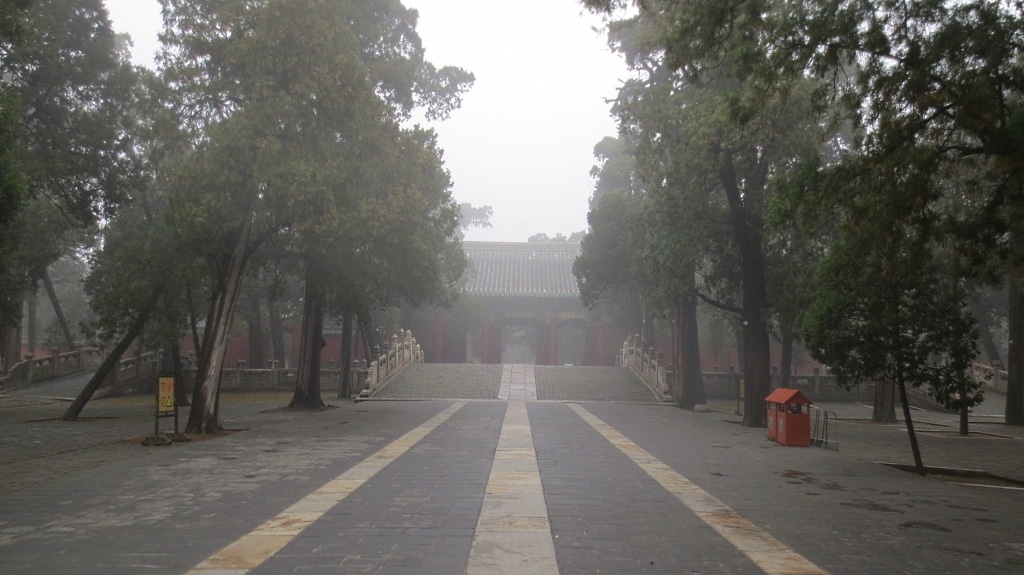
<point x="590" y="486"/>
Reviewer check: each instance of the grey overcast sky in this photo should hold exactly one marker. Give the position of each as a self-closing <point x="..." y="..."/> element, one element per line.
<point x="523" y="140"/>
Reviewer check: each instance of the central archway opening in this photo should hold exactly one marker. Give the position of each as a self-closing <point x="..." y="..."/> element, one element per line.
<point x="519" y="344"/>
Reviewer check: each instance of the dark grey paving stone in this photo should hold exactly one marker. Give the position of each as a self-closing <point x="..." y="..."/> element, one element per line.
<point x="417" y="515"/>
<point x="607" y="516"/>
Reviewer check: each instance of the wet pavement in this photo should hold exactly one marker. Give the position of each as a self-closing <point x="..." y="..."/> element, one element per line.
<point x="475" y="476"/>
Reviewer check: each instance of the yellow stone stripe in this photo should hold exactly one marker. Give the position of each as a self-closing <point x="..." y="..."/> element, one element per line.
<point x="252" y="549"/>
<point x="768" y="553"/>
<point x="513" y="534"/>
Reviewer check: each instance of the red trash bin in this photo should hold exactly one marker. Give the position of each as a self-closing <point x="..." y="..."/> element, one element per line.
<point x="789" y="410"/>
<point x="772" y="420"/>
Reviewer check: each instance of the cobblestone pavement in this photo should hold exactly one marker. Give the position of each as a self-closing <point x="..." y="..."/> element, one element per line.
<point x="442" y="487"/>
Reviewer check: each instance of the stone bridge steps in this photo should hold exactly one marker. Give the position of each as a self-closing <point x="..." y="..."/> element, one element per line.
<point x="522" y="382"/>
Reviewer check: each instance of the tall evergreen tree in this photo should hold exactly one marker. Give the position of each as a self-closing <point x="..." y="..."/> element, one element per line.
<point x="284" y="99"/>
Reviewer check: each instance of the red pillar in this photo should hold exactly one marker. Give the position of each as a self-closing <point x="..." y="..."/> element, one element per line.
<point x="438" y="338"/>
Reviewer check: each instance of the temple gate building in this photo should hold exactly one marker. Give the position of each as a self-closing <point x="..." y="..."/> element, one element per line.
<point x="520" y="305"/>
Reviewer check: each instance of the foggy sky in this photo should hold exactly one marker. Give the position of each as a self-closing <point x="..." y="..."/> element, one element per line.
<point x="523" y="140"/>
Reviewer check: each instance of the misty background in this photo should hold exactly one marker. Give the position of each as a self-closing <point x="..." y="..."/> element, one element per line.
<point x="523" y="140"/>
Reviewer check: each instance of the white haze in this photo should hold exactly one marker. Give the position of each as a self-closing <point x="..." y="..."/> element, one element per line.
<point x="523" y="140"/>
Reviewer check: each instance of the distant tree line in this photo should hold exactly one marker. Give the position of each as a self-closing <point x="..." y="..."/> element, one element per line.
<point x="558" y="237"/>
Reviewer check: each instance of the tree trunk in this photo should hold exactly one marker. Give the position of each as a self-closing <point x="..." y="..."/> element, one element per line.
<point x="345" y="387"/>
<point x="203" y="417"/>
<point x="689" y="354"/>
<point x="884" y="409"/>
<point x="30" y="321"/>
<point x="57" y="310"/>
<point x="646" y="325"/>
<point x="747" y="229"/>
<point x="180" y="396"/>
<point x="914" y="448"/>
<point x="676" y="347"/>
<point x="988" y="343"/>
<point x="11" y="349"/>
<point x="73" y="410"/>
<point x="307" y="384"/>
<point x="756" y="372"/>
<point x="1015" y="355"/>
<point x="756" y="358"/>
<point x="197" y="345"/>
<point x="276" y="330"/>
<point x="255" y="329"/>
<point x="369" y="340"/>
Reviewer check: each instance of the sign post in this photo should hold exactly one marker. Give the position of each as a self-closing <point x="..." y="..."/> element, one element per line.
<point x="165" y="405"/>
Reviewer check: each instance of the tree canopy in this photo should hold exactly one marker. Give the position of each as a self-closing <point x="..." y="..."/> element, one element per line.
<point x="801" y="109"/>
<point x="293" y="107"/>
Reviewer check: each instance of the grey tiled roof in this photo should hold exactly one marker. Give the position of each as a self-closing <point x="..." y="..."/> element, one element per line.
<point x="531" y="269"/>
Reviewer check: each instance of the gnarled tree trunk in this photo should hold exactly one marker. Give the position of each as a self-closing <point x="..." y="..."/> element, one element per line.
<point x="345" y="389"/>
<point x="203" y="417"/>
<point x="747" y="229"/>
<point x="30" y="322"/>
<point x="58" y="310"/>
<point x="1015" y="355"/>
<point x="988" y="343"/>
<point x="10" y="338"/>
<point x="307" y="384"/>
<point x="255" y="329"/>
<point x="83" y="397"/>
<point x="180" y="396"/>
<point x="276" y="330"/>
<point x="688" y="365"/>
<point x="884" y="410"/>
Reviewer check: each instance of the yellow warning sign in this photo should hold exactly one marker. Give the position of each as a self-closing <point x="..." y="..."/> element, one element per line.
<point x="165" y="394"/>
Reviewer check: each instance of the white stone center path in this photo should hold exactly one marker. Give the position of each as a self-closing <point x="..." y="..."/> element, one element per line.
<point x="518" y="383"/>
<point x="513" y="534"/>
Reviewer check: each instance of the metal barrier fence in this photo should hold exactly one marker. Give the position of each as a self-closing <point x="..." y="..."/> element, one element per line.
<point x="825" y="431"/>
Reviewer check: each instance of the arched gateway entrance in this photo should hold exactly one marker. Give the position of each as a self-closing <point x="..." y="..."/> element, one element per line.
<point x="523" y="307"/>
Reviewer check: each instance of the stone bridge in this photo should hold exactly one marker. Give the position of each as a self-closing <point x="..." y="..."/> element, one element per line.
<point x="522" y="382"/>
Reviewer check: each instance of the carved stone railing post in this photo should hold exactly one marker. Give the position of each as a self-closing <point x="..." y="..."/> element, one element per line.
<point x="647" y="364"/>
<point x="662" y="374"/>
<point x="372" y="374"/>
<point x="390" y="359"/>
